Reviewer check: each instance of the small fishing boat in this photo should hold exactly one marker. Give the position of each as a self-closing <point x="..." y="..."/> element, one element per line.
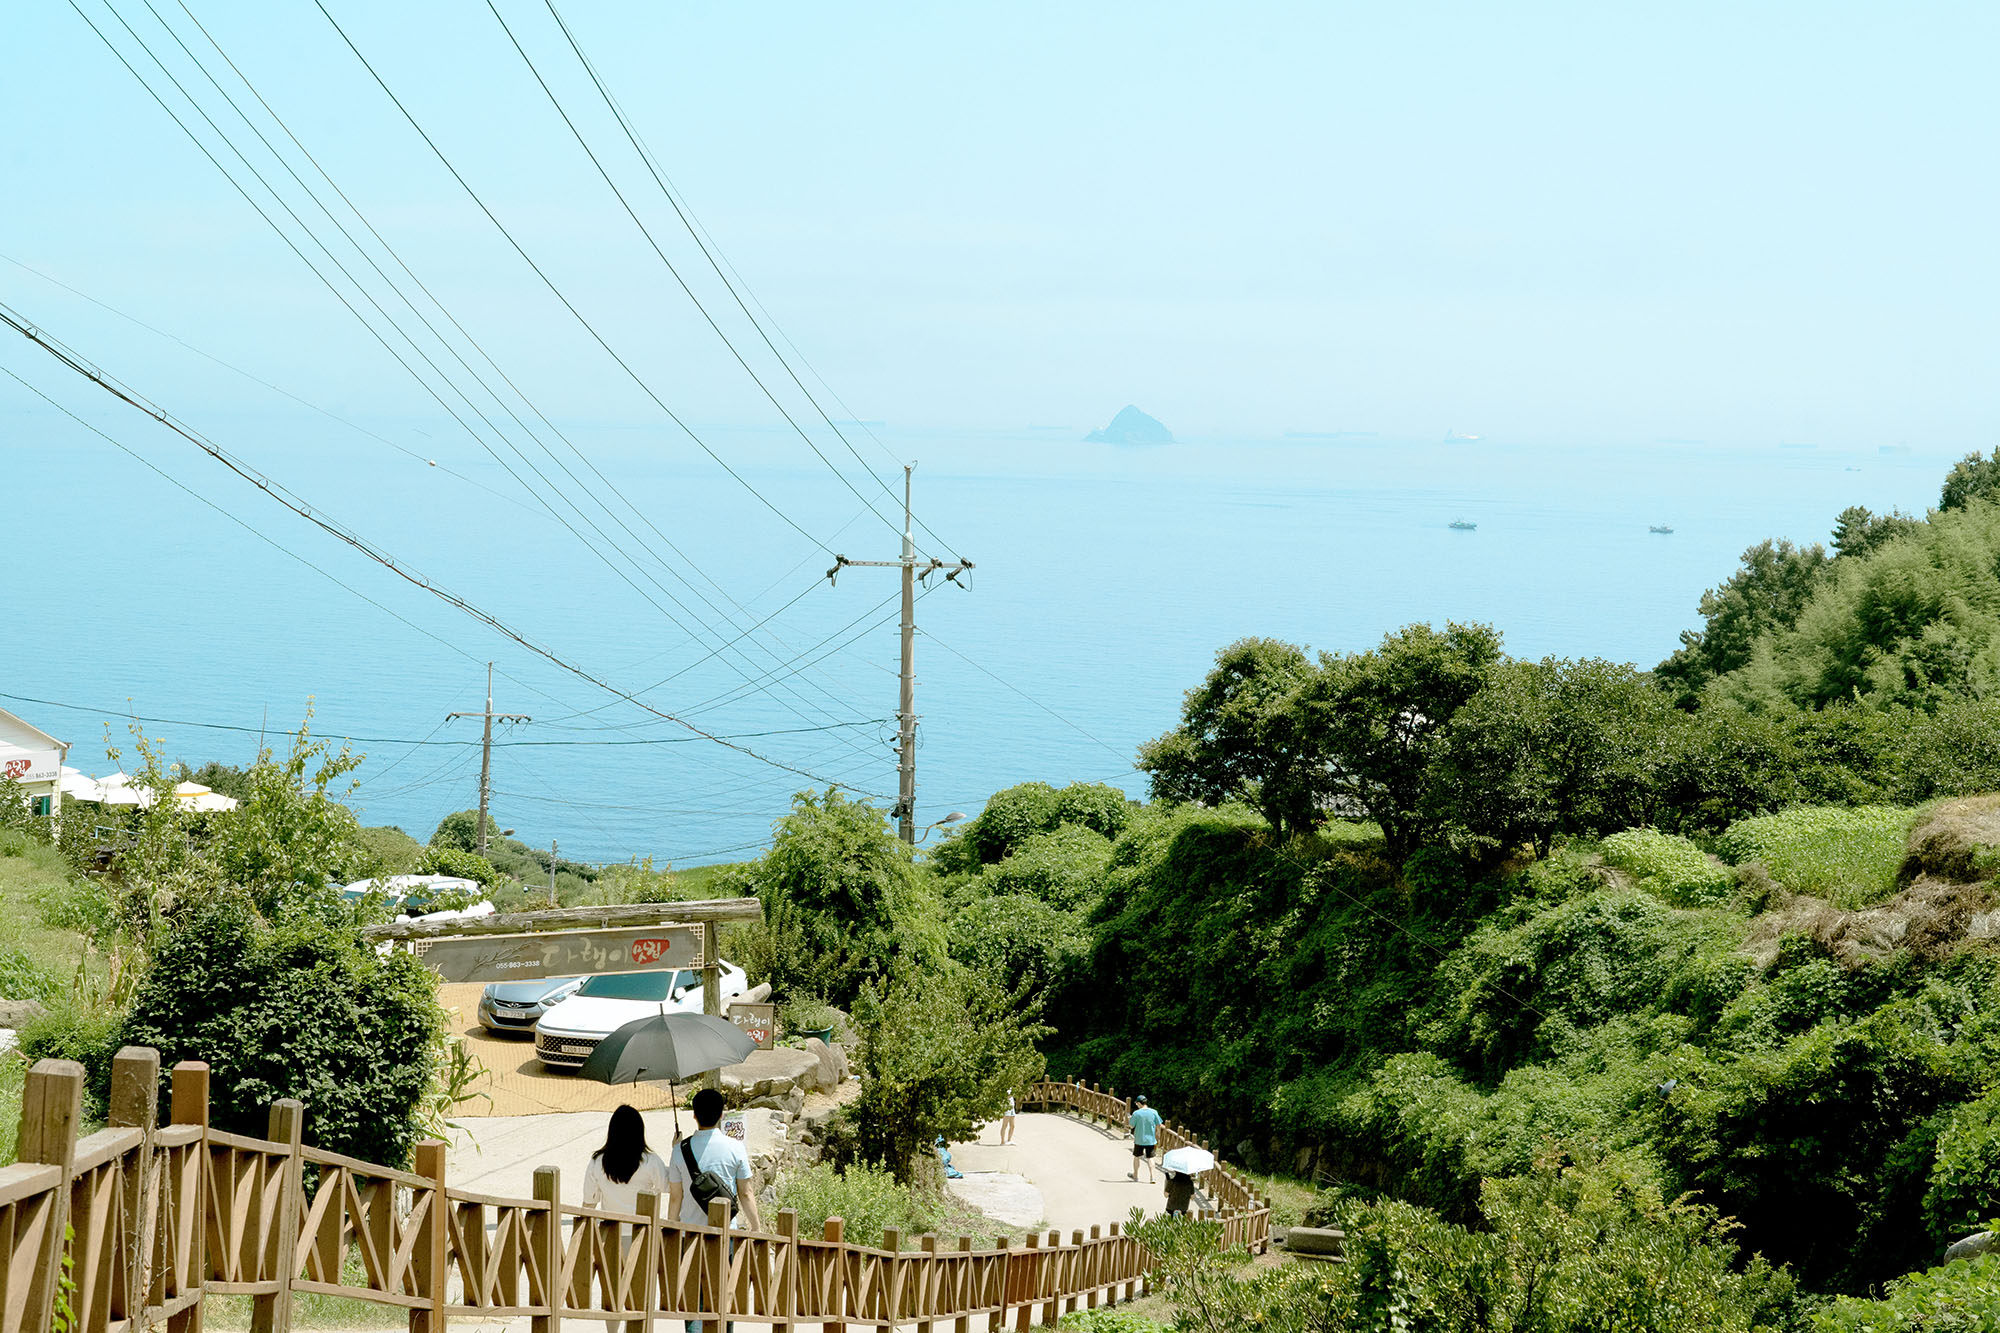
<point x="1461" y="525"/>
<point x="1661" y="528"/>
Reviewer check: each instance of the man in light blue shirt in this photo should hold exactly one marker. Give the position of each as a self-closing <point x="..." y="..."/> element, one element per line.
<point x="1145" y="1122"/>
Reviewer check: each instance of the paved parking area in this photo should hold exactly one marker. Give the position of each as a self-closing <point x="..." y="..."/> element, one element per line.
<point x="516" y="1082"/>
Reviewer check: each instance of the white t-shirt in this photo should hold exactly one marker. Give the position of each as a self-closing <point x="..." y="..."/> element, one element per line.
<point x="713" y="1151"/>
<point x="601" y="1191"/>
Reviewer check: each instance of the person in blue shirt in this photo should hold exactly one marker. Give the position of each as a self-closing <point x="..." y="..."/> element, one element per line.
<point x="1145" y="1122"/>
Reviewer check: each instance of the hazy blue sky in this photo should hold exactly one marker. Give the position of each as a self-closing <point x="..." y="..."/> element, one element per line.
<point x="1571" y="223"/>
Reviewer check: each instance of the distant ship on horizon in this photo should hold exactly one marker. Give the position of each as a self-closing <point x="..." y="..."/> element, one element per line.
<point x="1662" y="528"/>
<point x="1455" y="437"/>
<point x="1460" y="525"/>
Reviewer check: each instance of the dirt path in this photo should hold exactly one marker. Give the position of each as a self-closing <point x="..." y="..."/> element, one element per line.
<point x="1078" y="1171"/>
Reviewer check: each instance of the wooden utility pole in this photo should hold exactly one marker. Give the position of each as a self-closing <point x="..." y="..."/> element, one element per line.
<point x="906" y="712"/>
<point x="552" y="873"/>
<point x="486" y="753"/>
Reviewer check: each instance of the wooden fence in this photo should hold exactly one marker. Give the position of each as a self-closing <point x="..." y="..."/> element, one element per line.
<point x="133" y="1226"/>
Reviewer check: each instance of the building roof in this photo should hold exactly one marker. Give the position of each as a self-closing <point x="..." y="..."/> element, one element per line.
<point x="25" y="734"/>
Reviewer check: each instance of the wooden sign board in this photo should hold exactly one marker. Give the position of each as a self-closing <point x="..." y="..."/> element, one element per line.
<point x="560" y="953"/>
<point x="760" y="1021"/>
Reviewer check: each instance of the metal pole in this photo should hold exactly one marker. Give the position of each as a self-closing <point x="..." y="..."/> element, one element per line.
<point x="486" y="760"/>
<point x="552" y="873"/>
<point x="906" y="784"/>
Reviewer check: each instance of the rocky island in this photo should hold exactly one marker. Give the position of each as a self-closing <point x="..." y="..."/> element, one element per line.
<point x="1131" y="426"/>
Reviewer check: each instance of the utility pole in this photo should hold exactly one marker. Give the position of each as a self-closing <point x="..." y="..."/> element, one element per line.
<point x="906" y="712"/>
<point x="486" y="753"/>
<point x="552" y="872"/>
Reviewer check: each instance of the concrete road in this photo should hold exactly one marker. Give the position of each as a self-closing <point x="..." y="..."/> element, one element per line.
<point x="1078" y="1170"/>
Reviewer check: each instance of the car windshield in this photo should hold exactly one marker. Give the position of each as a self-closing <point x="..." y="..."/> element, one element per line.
<point x="653" y="987"/>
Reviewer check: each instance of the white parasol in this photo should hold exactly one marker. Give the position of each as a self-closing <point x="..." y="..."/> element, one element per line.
<point x="1188" y="1161"/>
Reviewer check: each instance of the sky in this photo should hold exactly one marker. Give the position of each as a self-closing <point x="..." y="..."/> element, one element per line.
<point x="1568" y="223"/>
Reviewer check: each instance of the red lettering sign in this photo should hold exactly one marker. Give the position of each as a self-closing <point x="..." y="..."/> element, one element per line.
<point x="650" y="950"/>
<point x="18" y="768"/>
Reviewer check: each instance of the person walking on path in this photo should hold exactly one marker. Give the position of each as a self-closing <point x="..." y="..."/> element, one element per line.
<point x="709" y="1152"/>
<point x="1007" y="1123"/>
<point x="1180" y="1192"/>
<point x="1145" y="1122"/>
<point x="624" y="1168"/>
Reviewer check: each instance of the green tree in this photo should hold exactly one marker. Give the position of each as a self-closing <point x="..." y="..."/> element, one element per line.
<point x="1243" y="738"/>
<point x="1376" y="722"/>
<point x="941" y="1048"/>
<point x="459" y="831"/>
<point x="1972" y="478"/>
<point x="1552" y="747"/>
<point x="1858" y="532"/>
<point x="838" y="883"/>
<point x="1766" y="594"/>
<point x="290" y="834"/>
<point x="1018" y="941"/>
<point x="300" y="1008"/>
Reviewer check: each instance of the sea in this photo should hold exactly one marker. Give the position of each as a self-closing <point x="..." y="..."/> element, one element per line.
<point x="147" y="581"/>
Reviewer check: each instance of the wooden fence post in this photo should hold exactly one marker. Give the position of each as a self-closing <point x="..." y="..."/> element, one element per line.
<point x="788" y="1275"/>
<point x="717" y="1254"/>
<point x="189" y="1106"/>
<point x="51" y="1107"/>
<point x="968" y="1293"/>
<point x="836" y="1301"/>
<point x="889" y="1279"/>
<point x="1117" y="1261"/>
<point x="1033" y="1268"/>
<point x="428" y="1259"/>
<point x="273" y="1313"/>
<point x="928" y="1286"/>
<point x="997" y="1321"/>
<point x="135" y="1104"/>
<point x="1096" y="1266"/>
<point x="648" y="1244"/>
<point x="546" y="1236"/>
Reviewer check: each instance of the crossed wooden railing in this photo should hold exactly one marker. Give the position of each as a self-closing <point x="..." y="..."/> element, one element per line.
<point x="131" y="1227"/>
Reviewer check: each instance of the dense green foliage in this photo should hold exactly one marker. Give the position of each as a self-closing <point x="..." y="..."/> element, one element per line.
<point x="940" y="1050"/>
<point x="843" y="902"/>
<point x="301" y="1008"/>
<point x="1850" y="856"/>
<point x="1960" y="1298"/>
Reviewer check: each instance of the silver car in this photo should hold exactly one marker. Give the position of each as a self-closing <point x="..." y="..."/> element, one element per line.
<point x="516" y="1006"/>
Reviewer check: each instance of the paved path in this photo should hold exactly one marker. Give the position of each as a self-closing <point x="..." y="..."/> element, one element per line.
<point x="1078" y="1170"/>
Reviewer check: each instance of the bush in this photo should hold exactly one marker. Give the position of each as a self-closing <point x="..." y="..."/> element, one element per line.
<point x="1064" y="868"/>
<point x="1965" y="1175"/>
<point x="1671" y="867"/>
<point x="464" y="865"/>
<point x="940" y="1051"/>
<point x="867" y="1199"/>
<point x="387" y="850"/>
<point x="79" y="905"/>
<point x="1849" y="856"/>
<point x="1958" y="1298"/>
<point x="301" y="1008"/>
<point x="1018" y="941"/>
<point x="90" y="1034"/>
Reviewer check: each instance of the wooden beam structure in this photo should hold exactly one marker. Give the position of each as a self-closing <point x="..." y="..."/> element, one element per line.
<point x="706" y="911"/>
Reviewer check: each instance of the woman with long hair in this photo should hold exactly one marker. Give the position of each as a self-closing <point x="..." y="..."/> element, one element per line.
<point x="624" y="1168"/>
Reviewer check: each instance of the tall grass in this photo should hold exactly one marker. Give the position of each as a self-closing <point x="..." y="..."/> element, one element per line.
<point x="866" y="1199"/>
<point x="1848" y="855"/>
<point x="1669" y="867"/>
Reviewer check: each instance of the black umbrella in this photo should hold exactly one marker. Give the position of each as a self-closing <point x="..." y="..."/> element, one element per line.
<point x="670" y="1047"/>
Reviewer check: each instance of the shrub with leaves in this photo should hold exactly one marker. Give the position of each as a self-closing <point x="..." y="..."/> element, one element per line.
<point x="1848" y="855"/>
<point x="940" y="1051"/>
<point x="1963" y="1297"/>
<point x="867" y="1199"/>
<point x="1671" y="867"/>
<point x="301" y="1008"/>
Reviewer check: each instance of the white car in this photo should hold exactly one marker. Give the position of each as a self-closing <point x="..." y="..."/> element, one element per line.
<point x="570" y="1030"/>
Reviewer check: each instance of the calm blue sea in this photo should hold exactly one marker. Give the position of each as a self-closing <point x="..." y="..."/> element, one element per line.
<point x="1106" y="579"/>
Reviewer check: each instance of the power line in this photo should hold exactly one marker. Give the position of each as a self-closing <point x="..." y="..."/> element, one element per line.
<point x="588" y="327"/>
<point x="355" y="282"/>
<point x="689" y="291"/>
<point x="710" y="251"/>
<point x="359" y="543"/>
